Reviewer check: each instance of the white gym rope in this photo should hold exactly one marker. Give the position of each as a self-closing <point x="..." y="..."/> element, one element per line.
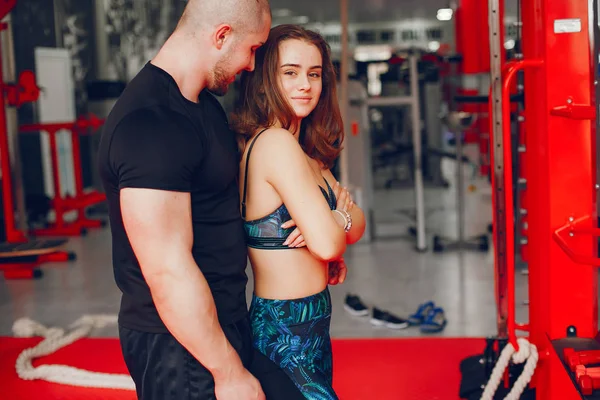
<point x="55" y="339"/>
<point x="527" y="351"/>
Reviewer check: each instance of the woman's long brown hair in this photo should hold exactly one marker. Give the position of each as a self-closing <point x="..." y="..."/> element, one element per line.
<point x="261" y="103"/>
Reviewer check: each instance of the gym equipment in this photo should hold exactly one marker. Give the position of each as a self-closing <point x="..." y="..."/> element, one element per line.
<point x="575" y="358"/>
<point x="25" y="91"/>
<point x="358" y="147"/>
<point x="561" y="183"/>
<point x="431" y="108"/>
<point x="458" y="122"/>
<point x="19" y="256"/>
<point x="517" y="149"/>
<point x="396" y="148"/>
<point x="561" y="156"/>
<point x="79" y="201"/>
<point x="414" y="103"/>
<point x="588" y="383"/>
<point x="54" y="339"/>
<point x="576" y="354"/>
<point x="21" y="260"/>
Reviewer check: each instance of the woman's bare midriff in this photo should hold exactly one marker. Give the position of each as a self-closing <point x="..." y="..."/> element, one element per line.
<point x="287" y="274"/>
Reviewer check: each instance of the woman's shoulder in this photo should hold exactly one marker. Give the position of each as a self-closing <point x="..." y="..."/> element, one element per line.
<point x="276" y="149"/>
<point x="270" y="138"/>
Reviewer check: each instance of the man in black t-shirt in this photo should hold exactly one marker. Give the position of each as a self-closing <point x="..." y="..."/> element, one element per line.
<point x="169" y="162"/>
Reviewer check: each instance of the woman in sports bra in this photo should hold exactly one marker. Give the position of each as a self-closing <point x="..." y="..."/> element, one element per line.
<point x="298" y="220"/>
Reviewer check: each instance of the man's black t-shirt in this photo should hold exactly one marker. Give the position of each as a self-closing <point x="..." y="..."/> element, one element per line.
<point x="155" y="138"/>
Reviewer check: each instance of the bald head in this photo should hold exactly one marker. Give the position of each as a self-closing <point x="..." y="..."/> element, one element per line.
<point x="215" y="40"/>
<point x="244" y="16"/>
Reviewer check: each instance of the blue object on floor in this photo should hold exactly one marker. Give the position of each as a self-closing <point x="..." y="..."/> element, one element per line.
<point x="435" y="321"/>
<point x="421" y="314"/>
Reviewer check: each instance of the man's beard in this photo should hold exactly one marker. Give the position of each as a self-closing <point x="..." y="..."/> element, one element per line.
<point x="221" y="79"/>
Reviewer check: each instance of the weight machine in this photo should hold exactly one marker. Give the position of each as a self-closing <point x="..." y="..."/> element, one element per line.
<point x="21" y="256"/>
<point x="358" y="146"/>
<point x="560" y="68"/>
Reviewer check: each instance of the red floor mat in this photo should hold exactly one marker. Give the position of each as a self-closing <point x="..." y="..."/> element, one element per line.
<point x="364" y="369"/>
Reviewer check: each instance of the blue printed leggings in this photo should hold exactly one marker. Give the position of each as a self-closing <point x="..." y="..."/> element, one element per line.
<point x="294" y="334"/>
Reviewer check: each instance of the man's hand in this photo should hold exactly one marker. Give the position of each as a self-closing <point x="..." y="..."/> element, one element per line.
<point x="337" y="271"/>
<point x="242" y="386"/>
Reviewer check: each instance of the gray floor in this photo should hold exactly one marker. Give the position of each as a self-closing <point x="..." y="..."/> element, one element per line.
<point x="387" y="273"/>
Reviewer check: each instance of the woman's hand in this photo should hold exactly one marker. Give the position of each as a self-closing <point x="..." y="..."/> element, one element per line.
<point x="337" y="271"/>
<point x="295" y="239"/>
<point x="344" y="200"/>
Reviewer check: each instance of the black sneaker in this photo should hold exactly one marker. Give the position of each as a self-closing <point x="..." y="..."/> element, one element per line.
<point x="384" y="318"/>
<point x="355" y="306"/>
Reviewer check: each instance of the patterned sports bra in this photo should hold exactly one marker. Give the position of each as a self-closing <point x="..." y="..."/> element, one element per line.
<point x="266" y="232"/>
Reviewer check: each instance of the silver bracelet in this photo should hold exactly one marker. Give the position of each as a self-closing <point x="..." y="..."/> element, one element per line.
<point x="347" y="217"/>
<point x="349" y="220"/>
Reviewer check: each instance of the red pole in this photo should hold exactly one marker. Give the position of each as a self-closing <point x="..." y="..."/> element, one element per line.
<point x="12" y="234"/>
<point x="507" y="80"/>
<point x="77" y="162"/>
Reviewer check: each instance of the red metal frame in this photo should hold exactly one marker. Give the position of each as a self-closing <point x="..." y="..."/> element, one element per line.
<point x="565" y="237"/>
<point x="25" y="90"/>
<point x="561" y="177"/>
<point x="80" y="200"/>
<point x="560" y="173"/>
<point x="509" y="72"/>
<point x="13" y="235"/>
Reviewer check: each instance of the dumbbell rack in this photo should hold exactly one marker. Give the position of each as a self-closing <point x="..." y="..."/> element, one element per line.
<point x="581" y="358"/>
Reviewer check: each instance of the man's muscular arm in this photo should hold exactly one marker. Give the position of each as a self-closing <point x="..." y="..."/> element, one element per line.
<point x="158" y="225"/>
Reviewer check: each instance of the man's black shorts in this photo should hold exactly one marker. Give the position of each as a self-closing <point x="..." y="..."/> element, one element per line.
<point x="163" y="369"/>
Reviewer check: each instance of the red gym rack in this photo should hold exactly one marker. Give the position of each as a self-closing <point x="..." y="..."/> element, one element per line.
<point x="19" y="257"/>
<point x="80" y="200"/>
<point x="559" y="66"/>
